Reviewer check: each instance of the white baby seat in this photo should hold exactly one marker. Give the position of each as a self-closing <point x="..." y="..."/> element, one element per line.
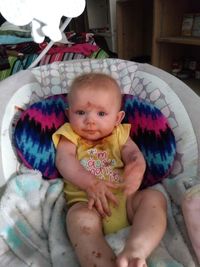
<point x="31" y="235"/>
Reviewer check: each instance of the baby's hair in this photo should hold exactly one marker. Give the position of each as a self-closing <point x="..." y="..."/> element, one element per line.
<point x="95" y="81"/>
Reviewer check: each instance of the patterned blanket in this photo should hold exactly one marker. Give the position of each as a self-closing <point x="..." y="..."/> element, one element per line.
<point x="32" y="227"/>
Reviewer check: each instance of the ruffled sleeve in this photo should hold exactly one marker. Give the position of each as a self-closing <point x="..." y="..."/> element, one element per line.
<point x="66" y="131"/>
<point x="123" y="132"/>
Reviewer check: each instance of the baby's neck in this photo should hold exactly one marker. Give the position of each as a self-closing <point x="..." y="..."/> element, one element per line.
<point x="92" y="142"/>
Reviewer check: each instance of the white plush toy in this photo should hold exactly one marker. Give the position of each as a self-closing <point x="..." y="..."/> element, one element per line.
<point x="44" y="15"/>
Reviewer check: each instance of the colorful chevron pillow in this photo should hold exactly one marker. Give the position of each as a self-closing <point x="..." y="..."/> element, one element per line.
<point x="150" y="130"/>
<point x="152" y="133"/>
<point x="33" y="132"/>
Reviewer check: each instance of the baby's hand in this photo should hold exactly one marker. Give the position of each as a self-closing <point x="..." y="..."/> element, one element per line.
<point x="99" y="196"/>
<point x="130" y="186"/>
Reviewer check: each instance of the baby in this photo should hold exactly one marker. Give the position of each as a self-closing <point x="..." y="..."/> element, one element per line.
<point x="103" y="169"/>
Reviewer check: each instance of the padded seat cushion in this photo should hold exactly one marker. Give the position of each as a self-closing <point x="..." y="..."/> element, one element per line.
<point x="150" y="130"/>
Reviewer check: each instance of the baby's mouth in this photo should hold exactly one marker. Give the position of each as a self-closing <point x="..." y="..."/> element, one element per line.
<point x="90" y="131"/>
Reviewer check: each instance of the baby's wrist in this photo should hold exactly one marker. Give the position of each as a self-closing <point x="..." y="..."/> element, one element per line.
<point x="90" y="184"/>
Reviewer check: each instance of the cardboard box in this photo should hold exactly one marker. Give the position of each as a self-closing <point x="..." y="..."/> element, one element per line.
<point x="187" y="24"/>
<point x="196" y="26"/>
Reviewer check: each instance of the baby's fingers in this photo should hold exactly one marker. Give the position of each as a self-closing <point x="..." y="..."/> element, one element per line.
<point x="100" y="208"/>
<point x="105" y="205"/>
<point x="91" y="203"/>
<point x="110" y="196"/>
<point x="112" y="185"/>
<point x="101" y="205"/>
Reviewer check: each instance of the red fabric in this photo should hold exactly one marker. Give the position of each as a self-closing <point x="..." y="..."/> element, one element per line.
<point x="85" y="49"/>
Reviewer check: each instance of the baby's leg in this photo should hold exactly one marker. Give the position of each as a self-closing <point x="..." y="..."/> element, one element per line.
<point x="85" y="231"/>
<point x="147" y="213"/>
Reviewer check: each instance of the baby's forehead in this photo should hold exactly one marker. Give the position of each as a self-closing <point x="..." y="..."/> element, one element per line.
<point x="97" y="88"/>
<point x="100" y="105"/>
<point x="109" y="90"/>
<point x="96" y="99"/>
<point x="93" y="96"/>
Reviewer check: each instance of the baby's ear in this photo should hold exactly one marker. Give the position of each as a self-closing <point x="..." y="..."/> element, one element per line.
<point x="120" y="116"/>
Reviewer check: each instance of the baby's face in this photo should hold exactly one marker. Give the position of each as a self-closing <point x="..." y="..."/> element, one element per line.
<point x="94" y="114"/>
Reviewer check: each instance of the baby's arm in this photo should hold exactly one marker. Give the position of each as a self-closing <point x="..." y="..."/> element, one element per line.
<point x="99" y="193"/>
<point x="134" y="167"/>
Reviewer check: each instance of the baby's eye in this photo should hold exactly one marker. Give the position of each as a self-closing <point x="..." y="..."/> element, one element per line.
<point x="80" y="112"/>
<point x="101" y="113"/>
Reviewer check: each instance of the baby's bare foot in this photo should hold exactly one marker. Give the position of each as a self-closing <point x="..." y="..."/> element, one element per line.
<point x="126" y="260"/>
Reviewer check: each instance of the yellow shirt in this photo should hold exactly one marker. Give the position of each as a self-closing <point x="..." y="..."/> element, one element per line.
<point x="102" y="159"/>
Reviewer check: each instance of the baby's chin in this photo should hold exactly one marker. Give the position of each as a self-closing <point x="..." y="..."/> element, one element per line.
<point x="93" y="137"/>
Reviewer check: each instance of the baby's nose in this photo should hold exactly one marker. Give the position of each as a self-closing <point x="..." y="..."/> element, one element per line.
<point x="89" y="119"/>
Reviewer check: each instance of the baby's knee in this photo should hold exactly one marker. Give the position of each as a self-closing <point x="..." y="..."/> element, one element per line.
<point x="156" y="197"/>
<point x="80" y="216"/>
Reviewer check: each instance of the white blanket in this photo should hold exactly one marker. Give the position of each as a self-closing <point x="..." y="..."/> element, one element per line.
<point x="32" y="228"/>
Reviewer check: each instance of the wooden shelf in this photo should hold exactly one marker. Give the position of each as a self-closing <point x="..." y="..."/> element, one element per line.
<point x="168" y="43"/>
<point x="180" y="40"/>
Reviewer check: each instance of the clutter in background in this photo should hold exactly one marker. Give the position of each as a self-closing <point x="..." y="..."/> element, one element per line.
<point x="188" y="68"/>
<point x="191" y="25"/>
